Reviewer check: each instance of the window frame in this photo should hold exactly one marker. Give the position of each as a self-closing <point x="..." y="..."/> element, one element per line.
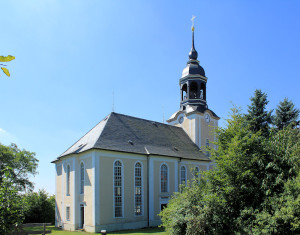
<point x="68" y="213"/>
<point x="141" y="189"/>
<point x="122" y="189"/>
<point x="160" y="180"/>
<point x="185" y="174"/>
<point x="68" y="180"/>
<point x="81" y="181"/>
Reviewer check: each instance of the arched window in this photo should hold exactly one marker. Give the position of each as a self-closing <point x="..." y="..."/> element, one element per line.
<point x="82" y="178"/>
<point x="138" y="189"/>
<point x="68" y="179"/>
<point x="118" y="195"/>
<point x="197" y="173"/>
<point x="164" y="178"/>
<point x="182" y="175"/>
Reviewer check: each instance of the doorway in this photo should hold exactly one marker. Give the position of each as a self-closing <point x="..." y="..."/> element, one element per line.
<point x="81" y="224"/>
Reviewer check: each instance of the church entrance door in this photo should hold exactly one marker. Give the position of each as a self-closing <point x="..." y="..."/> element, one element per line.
<point x="81" y="216"/>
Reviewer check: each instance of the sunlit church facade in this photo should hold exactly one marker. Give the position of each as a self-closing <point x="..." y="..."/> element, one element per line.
<point x="122" y="173"/>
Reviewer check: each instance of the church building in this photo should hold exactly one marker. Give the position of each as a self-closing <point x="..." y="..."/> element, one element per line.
<point x="123" y="171"/>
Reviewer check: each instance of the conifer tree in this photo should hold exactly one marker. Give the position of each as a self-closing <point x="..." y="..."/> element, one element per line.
<point x="258" y="118"/>
<point x="285" y="114"/>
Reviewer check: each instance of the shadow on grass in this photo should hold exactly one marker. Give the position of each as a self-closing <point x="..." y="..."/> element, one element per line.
<point x="40" y="228"/>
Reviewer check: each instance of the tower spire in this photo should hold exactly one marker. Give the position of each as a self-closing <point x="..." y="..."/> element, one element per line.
<point x="193" y="55"/>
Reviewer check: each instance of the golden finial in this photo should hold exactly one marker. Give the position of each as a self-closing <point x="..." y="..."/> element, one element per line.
<point x="193" y="18"/>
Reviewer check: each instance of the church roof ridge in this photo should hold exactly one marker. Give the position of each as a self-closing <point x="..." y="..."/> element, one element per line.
<point x="143" y="119"/>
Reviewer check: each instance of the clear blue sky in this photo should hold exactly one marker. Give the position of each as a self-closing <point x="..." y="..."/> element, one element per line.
<point x="72" y="55"/>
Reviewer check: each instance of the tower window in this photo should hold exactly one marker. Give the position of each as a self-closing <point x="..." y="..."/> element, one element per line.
<point x="207" y="146"/>
<point x="184" y="92"/>
<point x="202" y="91"/>
<point x="194" y="91"/>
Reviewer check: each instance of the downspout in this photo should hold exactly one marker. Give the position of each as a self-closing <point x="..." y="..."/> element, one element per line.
<point x="148" y="212"/>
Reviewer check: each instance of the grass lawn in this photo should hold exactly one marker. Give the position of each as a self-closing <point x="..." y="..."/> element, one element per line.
<point x="56" y="231"/>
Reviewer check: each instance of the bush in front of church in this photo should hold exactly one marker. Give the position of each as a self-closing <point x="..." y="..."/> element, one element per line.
<point x="254" y="187"/>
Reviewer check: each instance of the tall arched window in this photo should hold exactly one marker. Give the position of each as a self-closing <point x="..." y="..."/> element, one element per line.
<point x="68" y="179"/>
<point x="164" y="178"/>
<point x="197" y="173"/>
<point x="118" y="198"/>
<point x="138" y="189"/>
<point x="182" y="175"/>
<point x="82" y="178"/>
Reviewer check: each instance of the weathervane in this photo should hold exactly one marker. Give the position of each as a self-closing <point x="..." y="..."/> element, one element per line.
<point x="193" y="18"/>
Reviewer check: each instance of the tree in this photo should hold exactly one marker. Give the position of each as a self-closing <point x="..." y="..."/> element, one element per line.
<point x="252" y="188"/>
<point x="285" y="114"/>
<point x="6" y="59"/>
<point x="11" y="203"/>
<point x="40" y="207"/>
<point x="21" y="163"/>
<point x="258" y="117"/>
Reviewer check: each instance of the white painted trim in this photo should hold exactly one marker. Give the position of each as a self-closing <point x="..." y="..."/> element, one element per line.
<point x="199" y="138"/>
<point x="142" y="188"/>
<point x="74" y="191"/>
<point x="84" y="175"/>
<point x="87" y="155"/>
<point x="98" y="189"/>
<point x="164" y="158"/>
<point x="123" y="155"/>
<point x="56" y="209"/>
<point x="62" y="192"/>
<point x="122" y="174"/>
<point x="168" y="176"/>
<point x="151" y="189"/>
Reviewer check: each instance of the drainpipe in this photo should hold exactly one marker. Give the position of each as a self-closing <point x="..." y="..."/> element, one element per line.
<point x="148" y="212"/>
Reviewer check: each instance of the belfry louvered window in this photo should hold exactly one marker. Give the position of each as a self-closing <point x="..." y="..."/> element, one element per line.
<point x="82" y="178"/>
<point x="182" y="175"/>
<point x="164" y="178"/>
<point x="138" y="189"/>
<point x="68" y="179"/>
<point x="118" y="195"/>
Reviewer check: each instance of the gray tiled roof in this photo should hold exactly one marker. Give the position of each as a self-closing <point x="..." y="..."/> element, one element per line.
<point x="124" y="133"/>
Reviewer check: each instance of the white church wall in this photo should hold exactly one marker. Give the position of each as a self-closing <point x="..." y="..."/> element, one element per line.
<point x="106" y="203"/>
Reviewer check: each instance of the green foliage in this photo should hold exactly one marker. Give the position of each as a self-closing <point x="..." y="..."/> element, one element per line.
<point x="40" y="207"/>
<point x="21" y="163"/>
<point x="6" y="59"/>
<point x="253" y="188"/>
<point x="285" y="114"/>
<point x="258" y="117"/>
<point x="11" y="203"/>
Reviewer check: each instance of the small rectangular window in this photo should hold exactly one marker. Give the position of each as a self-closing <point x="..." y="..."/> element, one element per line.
<point x="68" y="213"/>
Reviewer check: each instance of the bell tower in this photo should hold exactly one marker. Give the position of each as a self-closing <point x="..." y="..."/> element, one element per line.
<point x="194" y="116"/>
<point x="193" y="82"/>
